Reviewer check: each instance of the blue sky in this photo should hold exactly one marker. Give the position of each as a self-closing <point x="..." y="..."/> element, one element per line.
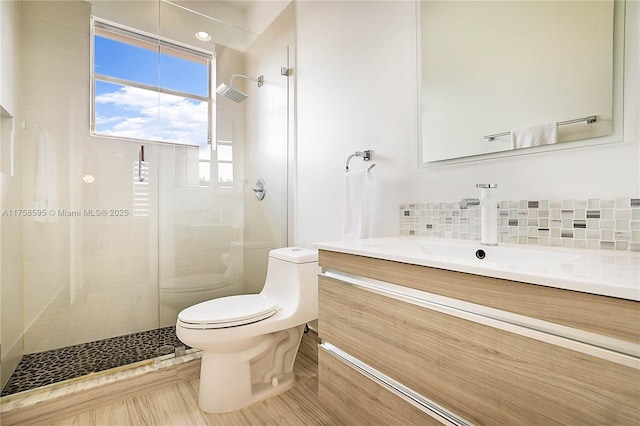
<point x="144" y="114"/>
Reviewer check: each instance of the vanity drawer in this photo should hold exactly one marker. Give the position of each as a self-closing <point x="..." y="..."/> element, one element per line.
<point x="483" y="374"/>
<point x="607" y="316"/>
<point x="347" y="394"/>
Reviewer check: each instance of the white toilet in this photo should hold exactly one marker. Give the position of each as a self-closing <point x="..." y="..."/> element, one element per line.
<point x="249" y="342"/>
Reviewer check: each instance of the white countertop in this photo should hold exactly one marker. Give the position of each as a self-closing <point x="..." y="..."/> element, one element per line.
<point x="604" y="272"/>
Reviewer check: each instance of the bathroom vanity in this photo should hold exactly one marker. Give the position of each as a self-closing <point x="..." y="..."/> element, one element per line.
<point x="409" y="334"/>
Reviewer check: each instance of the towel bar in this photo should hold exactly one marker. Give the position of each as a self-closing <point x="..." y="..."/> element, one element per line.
<point x="590" y="120"/>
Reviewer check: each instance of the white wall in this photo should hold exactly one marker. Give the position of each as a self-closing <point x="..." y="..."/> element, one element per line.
<point x="261" y="14"/>
<point x="356" y="89"/>
<point x="356" y="83"/>
<point x="11" y="330"/>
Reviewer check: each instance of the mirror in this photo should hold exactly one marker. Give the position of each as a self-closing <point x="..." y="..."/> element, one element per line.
<point x="490" y="69"/>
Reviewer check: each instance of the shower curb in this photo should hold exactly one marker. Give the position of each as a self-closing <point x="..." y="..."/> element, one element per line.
<point x="46" y="404"/>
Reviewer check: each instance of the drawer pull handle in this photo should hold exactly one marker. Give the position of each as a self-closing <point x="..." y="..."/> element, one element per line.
<point x="417" y="400"/>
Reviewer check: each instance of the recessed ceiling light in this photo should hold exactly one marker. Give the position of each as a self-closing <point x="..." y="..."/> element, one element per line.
<point x="88" y="178"/>
<point x="203" y="36"/>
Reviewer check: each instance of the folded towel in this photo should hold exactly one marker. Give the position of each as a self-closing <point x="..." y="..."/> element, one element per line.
<point x="358" y="201"/>
<point x="539" y="134"/>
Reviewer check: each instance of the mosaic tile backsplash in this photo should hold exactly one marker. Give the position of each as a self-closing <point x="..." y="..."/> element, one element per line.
<point x="610" y="224"/>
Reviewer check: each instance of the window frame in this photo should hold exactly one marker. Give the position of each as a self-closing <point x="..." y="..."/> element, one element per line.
<point x="225" y="185"/>
<point x="141" y="39"/>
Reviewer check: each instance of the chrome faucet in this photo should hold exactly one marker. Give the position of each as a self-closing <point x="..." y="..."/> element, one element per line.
<point x="466" y="202"/>
<point x="488" y="212"/>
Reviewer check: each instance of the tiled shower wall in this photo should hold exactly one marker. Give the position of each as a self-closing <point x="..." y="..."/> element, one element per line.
<point x="610" y="224"/>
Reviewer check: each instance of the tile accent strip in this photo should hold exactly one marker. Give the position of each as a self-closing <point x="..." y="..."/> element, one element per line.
<point x="608" y="224"/>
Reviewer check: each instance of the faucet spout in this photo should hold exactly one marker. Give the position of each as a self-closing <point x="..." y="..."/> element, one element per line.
<point x="488" y="214"/>
<point x="466" y="202"/>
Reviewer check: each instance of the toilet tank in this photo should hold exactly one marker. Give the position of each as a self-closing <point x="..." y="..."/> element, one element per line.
<point x="295" y="254"/>
<point x="292" y="279"/>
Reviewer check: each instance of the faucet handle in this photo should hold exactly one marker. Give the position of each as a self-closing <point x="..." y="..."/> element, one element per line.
<point x="486" y="185"/>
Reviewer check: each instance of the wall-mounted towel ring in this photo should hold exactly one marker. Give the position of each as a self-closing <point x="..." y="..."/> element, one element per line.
<point x="366" y="156"/>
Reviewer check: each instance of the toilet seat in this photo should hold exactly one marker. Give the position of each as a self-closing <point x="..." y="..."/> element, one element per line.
<point x="228" y="311"/>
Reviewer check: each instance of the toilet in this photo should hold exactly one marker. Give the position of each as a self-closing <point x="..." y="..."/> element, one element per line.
<point x="249" y="342"/>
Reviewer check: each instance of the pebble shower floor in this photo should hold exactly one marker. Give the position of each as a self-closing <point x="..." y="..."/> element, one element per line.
<point x="44" y="368"/>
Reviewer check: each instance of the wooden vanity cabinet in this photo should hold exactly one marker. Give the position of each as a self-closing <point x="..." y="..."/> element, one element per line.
<point x="480" y="371"/>
<point x="608" y="316"/>
<point x="355" y="399"/>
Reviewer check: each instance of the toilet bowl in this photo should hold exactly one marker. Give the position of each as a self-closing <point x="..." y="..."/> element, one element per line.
<point x="249" y="342"/>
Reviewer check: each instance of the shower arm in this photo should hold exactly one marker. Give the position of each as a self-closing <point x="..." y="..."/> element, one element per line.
<point x="260" y="79"/>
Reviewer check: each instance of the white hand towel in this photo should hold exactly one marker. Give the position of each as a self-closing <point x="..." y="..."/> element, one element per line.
<point x="539" y="134"/>
<point x="358" y="202"/>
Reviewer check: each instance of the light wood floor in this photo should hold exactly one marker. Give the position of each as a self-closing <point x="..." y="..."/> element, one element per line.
<point x="178" y="404"/>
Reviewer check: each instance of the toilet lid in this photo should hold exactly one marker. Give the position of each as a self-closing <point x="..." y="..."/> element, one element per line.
<point x="228" y="311"/>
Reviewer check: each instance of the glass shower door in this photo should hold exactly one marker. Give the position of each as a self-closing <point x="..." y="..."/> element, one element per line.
<point x="89" y="264"/>
<point x="215" y="234"/>
<point x="126" y="241"/>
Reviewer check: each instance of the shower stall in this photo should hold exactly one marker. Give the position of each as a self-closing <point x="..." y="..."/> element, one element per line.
<point x="126" y="198"/>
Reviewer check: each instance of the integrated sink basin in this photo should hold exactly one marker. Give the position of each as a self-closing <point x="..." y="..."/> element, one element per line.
<point x="613" y="273"/>
<point x="496" y="254"/>
<point x="474" y="253"/>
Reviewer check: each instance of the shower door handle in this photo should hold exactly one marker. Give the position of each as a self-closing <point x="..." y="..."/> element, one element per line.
<point x="140" y="161"/>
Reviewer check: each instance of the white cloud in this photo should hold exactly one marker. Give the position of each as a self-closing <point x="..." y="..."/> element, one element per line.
<point x="145" y="114"/>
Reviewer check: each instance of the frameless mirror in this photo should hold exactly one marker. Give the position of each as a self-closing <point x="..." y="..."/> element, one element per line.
<point x="493" y="68"/>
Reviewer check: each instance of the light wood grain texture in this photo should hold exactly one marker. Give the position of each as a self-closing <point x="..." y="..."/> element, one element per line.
<point x="608" y="316"/>
<point x="483" y="374"/>
<point x="175" y="402"/>
<point x="79" y="401"/>
<point x="352" y="397"/>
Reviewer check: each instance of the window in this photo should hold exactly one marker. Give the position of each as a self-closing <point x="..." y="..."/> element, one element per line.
<point x="141" y="89"/>
<point x="225" y="164"/>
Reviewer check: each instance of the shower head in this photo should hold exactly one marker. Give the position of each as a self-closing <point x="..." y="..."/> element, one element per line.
<point x="234" y="94"/>
<point x="231" y="93"/>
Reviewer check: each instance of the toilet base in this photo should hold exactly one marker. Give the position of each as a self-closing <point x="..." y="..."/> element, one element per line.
<point x="255" y="369"/>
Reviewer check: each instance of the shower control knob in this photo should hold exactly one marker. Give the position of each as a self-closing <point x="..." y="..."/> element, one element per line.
<point x="260" y="189"/>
